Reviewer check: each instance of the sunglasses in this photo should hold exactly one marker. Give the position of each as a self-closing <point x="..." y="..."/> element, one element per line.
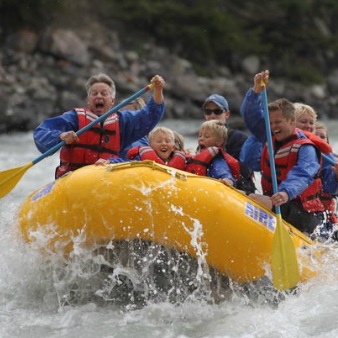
<point x="217" y="111"/>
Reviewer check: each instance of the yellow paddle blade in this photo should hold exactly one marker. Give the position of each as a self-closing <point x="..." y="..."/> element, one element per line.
<point x="284" y="265"/>
<point x="9" y="178"/>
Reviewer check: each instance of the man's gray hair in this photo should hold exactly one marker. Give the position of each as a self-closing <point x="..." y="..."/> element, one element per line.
<point x="101" y="78"/>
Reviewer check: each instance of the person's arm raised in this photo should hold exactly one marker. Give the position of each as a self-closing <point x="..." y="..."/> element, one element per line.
<point x="159" y="84"/>
<point x="259" y="78"/>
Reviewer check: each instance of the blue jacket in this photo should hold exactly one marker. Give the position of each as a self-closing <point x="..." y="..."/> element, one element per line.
<point x="251" y="153"/>
<point x="330" y="184"/>
<point x="133" y="126"/>
<point x="253" y="114"/>
<point x="220" y="169"/>
<point x="141" y="142"/>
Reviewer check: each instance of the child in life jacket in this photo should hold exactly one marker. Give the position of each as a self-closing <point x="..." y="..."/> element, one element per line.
<point x="162" y="149"/>
<point x="306" y="120"/>
<point x="322" y="132"/>
<point x="329" y="228"/>
<point x="211" y="159"/>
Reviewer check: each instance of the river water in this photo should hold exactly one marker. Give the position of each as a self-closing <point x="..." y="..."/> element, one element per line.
<point x="31" y="304"/>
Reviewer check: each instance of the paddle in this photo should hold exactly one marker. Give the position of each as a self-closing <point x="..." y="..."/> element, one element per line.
<point x="329" y="159"/>
<point x="9" y="178"/>
<point x="284" y="265"/>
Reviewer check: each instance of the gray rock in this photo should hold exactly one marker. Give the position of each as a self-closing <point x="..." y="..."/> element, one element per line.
<point x="40" y="80"/>
<point x="65" y="44"/>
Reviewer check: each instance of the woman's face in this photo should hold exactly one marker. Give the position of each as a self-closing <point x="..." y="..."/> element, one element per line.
<point x="306" y="122"/>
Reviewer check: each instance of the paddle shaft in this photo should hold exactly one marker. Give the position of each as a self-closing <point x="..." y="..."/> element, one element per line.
<point x="93" y="123"/>
<point x="329" y="159"/>
<point x="270" y="146"/>
<point x="284" y="265"/>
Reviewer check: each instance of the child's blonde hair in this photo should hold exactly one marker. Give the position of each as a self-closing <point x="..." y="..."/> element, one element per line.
<point x="164" y="130"/>
<point x="136" y="104"/>
<point x="179" y="141"/>
<point x="217" y="127"/>
<point x="321" y="125"/>
<point x="302" y="108"/>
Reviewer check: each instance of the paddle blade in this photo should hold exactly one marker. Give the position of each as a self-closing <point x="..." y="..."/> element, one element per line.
<point x="284" y="265"/>
<point x="9" y="178"/>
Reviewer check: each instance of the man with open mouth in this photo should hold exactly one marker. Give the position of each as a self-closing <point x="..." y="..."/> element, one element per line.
<point x="297" y="159"/>
<point x="105" y="139"/>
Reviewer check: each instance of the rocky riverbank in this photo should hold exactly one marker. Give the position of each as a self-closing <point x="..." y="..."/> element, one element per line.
<point x="44" y="75"/>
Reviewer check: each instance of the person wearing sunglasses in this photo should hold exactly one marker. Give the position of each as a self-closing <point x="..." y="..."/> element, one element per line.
<point x="216" y="107"/>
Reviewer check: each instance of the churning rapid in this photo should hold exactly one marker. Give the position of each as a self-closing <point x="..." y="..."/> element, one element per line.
<point x="149" y="292"/>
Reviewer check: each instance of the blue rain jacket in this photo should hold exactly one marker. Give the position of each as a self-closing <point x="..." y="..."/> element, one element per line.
<point x="133" y="126"/>
<point x="219" y="168"/>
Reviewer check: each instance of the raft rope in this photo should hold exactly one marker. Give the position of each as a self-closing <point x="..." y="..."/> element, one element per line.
<point x="179" y="174"/>
<point x="150" y="164"/>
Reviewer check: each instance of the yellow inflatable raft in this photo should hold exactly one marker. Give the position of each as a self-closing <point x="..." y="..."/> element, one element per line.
<point x="145" y="200"/>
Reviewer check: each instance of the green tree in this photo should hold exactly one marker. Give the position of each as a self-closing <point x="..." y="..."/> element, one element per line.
<point x="32" y="14"/>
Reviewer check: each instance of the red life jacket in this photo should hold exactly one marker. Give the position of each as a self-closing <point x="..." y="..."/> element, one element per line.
<point x="198" y="164"/>
<point x="328" y="201"/>
<point x="330" y="207"/>
<point x="285" y="159"/>
<point x="323" y="146"/>
<point x="176" y="160"/>
<point x="100" y="141"/>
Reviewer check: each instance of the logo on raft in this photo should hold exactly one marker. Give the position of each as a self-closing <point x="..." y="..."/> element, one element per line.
<point x="43" y="192"/>
<point x="260" y="216"/>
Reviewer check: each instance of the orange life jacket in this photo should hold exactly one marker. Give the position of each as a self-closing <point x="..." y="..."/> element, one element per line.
<point x="323" y="146"/>
<point x="100" y="141"/>
<point x="330" y="207"/>
<point x="198" y="164"/>
<point x="285" y="159"/>
<point x="176" y="160"/>
<point x="327" y="199"/>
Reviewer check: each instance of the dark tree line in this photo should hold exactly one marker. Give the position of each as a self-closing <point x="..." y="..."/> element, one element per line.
<point x="298" y="38"/>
